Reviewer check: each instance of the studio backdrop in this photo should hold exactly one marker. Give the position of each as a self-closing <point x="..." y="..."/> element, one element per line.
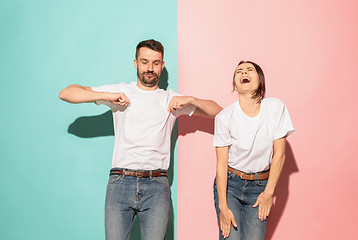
<point x="55" y="157"/>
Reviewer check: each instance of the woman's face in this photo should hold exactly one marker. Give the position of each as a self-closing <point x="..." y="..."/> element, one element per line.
<point x="246" y="78"/>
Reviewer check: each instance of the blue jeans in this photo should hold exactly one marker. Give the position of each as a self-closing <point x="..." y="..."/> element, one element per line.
<point x="241" y="196"/>
<point x="129" y="196"/>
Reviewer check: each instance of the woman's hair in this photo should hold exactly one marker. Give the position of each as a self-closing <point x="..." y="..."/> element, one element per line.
<point x="261" y="90"/>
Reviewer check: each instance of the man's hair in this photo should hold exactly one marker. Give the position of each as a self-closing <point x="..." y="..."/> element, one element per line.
<point x="261" y="90"/>
<point x="151" y="44"/>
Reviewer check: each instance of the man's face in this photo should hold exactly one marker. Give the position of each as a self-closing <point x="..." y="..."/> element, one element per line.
<point x="149" y="65"/>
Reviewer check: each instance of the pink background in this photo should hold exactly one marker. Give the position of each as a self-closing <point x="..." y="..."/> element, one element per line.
<point x="308" y="51"/>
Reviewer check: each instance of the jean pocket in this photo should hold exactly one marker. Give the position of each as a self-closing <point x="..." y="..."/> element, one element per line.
<point x="261" y="182"/>
<point x="162" y="180"/>
<point x="114" y="178"/>
<point x="230" y="175"/>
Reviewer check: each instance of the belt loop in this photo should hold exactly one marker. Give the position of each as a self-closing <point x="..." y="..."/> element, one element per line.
<point x="124" y="173"/>
<point x="235" y="172"/>
<point x="256" y="176"/>
<point x="150" y="174"/>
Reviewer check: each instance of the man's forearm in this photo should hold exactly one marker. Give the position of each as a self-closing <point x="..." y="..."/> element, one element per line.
<point x="80" y="94"/>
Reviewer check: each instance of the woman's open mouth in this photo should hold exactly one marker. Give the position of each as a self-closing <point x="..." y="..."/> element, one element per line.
<point x="245" y="80"/>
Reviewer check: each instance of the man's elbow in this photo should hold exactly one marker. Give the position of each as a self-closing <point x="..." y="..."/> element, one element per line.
<point x="65" y="92"/>
<point x="62" y="95"/>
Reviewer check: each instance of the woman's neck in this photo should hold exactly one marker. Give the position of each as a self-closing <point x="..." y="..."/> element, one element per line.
<point x="250" y="106"/>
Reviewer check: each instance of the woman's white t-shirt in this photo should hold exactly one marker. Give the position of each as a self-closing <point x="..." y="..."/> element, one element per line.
<point x="251" y="138"/>
<point x="142" y="130"/>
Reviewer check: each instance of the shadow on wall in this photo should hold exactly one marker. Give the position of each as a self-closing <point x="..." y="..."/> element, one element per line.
<point x="281" y="192"/>
<point x="195" y="123"/>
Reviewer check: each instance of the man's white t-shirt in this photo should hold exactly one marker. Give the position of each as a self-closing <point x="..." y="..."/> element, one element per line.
<point x="251" y="138"/>
<point x="142" y="131"/>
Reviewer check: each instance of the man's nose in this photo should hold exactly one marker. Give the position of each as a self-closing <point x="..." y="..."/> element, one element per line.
<point x="150" y="67"/>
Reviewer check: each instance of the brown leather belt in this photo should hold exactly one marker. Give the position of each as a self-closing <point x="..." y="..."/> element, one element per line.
<point x="138" y="173"/>
<point x="254" y="176"/>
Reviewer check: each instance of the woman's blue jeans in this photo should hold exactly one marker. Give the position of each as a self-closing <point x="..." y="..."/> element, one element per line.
<point x="241" y="196"/>
<point x="129" y="196"/>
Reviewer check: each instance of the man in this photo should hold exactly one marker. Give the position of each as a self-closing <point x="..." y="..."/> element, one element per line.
<point x="144" y="116"/>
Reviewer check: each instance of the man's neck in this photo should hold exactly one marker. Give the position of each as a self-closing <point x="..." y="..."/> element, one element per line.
<point x="145" y="88"/>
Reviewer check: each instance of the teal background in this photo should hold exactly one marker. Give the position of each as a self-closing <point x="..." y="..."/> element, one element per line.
<point x="53" y="182"/>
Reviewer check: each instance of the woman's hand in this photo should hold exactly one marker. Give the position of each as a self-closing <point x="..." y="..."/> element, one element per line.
<point x="226" y="219"/>
<point x="264" y="201"/>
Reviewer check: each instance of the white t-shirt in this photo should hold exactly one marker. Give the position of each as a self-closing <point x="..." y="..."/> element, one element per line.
<point x="251" y="138"/>
<point x="142" y="130"/>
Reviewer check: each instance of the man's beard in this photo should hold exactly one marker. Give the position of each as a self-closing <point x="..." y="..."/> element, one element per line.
<point x="148" y="82"/>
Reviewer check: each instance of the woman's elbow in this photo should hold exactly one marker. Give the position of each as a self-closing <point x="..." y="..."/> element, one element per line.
<point x="282" y="158"/>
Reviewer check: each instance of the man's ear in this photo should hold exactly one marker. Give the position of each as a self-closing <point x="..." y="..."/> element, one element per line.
<point x="135" y="64"/>
<point x="163" y="64"/>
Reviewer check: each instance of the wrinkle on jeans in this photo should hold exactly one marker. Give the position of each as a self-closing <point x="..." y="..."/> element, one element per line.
<point x="241" y="196"/>
<point x="128" y="197"/>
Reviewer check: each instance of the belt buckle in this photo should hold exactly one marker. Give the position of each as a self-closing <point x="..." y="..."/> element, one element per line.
<point x="139" y="171"/>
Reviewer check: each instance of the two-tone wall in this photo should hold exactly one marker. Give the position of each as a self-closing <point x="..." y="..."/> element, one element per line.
<point x="55" y="157"/>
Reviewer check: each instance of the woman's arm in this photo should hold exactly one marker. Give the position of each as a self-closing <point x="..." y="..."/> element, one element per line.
<point x="226" y="216"/>
<point x="265" y="199"/>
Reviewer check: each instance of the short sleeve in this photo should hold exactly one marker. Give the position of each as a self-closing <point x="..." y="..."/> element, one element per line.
<point x="185" y="110"/>
<point x="283" y="124"/>
<point x="222" y="135"/>
<point x="111" y="88"/>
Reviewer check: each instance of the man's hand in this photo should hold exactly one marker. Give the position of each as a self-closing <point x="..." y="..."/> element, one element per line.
<point x="226" y="219"/>
<point x="118" y="99"/>
<point x="264" y="201"/>
<point x="178" y="102"/>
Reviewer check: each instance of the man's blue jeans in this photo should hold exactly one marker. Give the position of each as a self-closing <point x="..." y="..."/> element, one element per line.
<point x="241" y="196"/>
<point x="129" y="196"/>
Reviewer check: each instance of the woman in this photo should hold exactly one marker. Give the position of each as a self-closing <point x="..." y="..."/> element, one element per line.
<point x="250" y="139"/>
